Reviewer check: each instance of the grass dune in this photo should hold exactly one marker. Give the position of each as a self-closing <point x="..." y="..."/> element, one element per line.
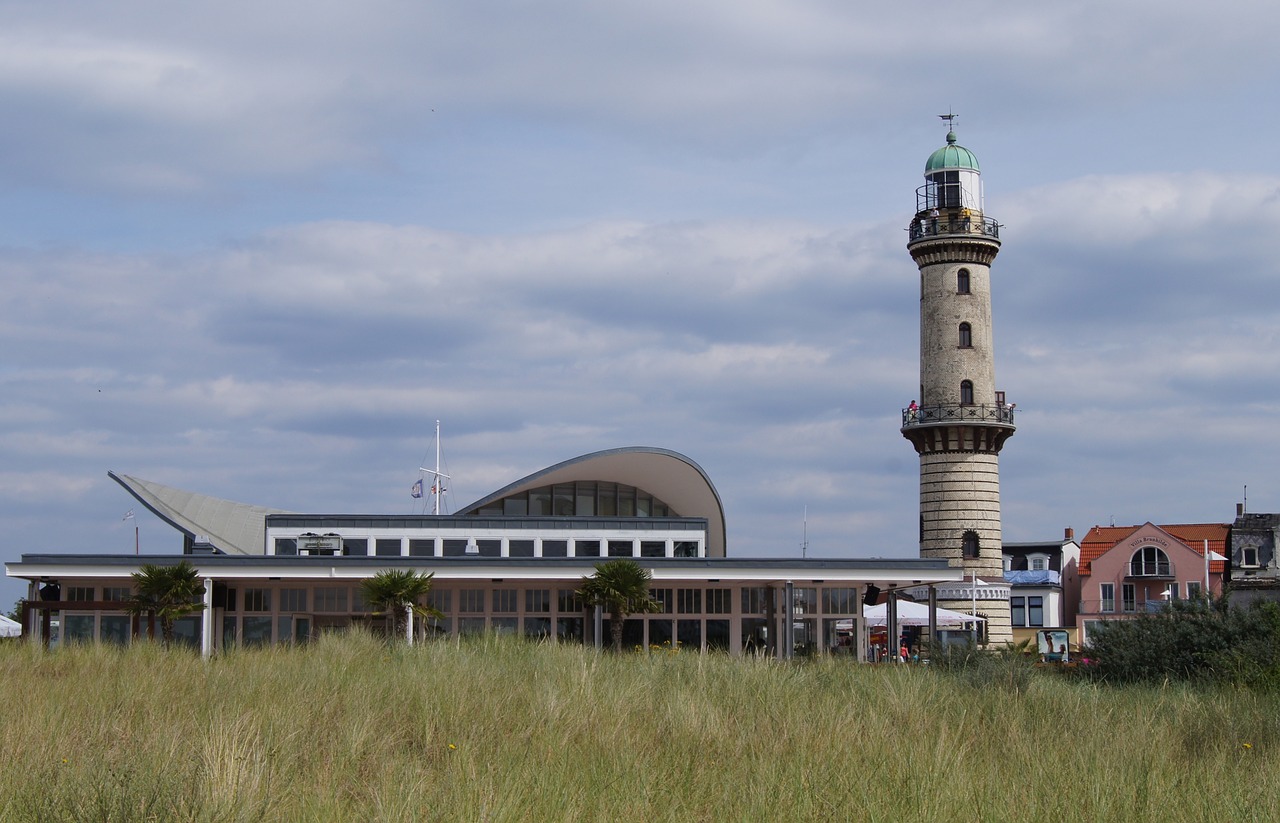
<point x="495" y="729"/>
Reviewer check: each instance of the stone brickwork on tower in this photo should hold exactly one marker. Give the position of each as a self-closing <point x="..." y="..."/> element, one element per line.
<point x="960" y="421"/>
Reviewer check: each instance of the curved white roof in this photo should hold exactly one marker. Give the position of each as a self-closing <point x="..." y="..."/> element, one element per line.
<point x="670" y="476"/>
<point x="240" y="528"/>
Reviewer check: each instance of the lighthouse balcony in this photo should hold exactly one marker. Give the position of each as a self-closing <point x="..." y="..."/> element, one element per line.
<point x="950" y="415"/>
<point x="962" y="222"/>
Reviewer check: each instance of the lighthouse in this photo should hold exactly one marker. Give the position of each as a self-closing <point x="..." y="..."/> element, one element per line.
<point x="959" y="421"/>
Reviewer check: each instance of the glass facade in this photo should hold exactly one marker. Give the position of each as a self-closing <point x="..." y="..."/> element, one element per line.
<point x="585" y="498"/>
<point x="692" y="617"/>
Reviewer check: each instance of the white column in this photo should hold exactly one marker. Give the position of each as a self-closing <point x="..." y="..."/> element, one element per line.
<point x="206" y="624"/>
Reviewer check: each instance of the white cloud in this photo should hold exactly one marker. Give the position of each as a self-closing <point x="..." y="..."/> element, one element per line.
<point x="259" y="259"/>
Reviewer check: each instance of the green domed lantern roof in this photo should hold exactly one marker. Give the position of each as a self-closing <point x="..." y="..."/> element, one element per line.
<point x="951" y="156"/>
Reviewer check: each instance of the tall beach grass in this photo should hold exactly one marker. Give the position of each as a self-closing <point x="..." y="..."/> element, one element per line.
<point x="496" y="729"/>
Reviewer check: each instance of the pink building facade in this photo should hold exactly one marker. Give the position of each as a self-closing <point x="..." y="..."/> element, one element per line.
<point x="1130" y="570"/>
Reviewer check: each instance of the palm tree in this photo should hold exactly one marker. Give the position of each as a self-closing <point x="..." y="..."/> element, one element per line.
<point x="622" y="587"/>
<point x="397" y="592"/>
<point x="167" y="593"/>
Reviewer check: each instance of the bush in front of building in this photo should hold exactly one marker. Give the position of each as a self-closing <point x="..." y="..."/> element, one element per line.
<point x="1208" y="641"/>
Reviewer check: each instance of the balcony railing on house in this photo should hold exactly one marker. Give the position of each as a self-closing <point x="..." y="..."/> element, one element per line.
<point x="927" y="415"/>
<point x="1140" y="567"/>
<point x="1115" y="609"/>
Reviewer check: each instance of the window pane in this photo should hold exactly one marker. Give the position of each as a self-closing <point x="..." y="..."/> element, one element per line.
<point x="78" y="628"/>
<point x="257" y="600"/>
<point x="537" y="627"/>
<point x="607" y="500"/>
<point x="293" y="600"/>
<point x="1017" y="611"/>
<point x="586" y="495"/>
<point x="504" y="600"/>
<point x="114" y="628"/>
<point x="562" y="501"/>
<point x="567" y="601"/>
<point x="569" y="628"/>
<point x="653" y="548"/>
<point x="689" y="634"/>
<point x="1035" y="611"/>
<point x="686" y="548"/>
<point x="471" y="601"/>
<point x="537" y="600"/>
<point x="331" y="599"/>
<point x="689" y="601"/>
<point x="257" y="631"/>
<point x="661" y="634"/>
<point x="540" y="501"/>
<point x="555" y="548"/>
<point x="718" y="635"/>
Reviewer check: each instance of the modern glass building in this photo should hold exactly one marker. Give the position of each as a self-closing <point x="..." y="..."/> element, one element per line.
<point x="510" y="563"/>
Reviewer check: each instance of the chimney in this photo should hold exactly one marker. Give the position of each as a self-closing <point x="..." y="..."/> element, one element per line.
<point x="1239" y="509"/>
<point x="1068" y="533"/>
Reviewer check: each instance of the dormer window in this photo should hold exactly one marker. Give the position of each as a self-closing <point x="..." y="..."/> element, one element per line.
<point x="1249" y="557"/>
<point x="1038" y="562"/>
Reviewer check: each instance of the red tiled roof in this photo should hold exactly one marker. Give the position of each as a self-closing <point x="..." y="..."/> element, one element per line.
<point x="1102" y="539"/>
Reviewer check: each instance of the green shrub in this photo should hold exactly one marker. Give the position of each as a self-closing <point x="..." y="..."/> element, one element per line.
<point x="1190" y="641"/>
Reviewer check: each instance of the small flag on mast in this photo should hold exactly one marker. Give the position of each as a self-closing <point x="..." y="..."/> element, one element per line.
<point x="416" y="491"/>
<point x="128" y="515"/>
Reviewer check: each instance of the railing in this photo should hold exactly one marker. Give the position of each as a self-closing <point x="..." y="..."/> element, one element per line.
<point x="1151" y="568"/>
<point x="1119" y="609"/>
<point x="928" y="415"/>
<point x="952" y="224"/>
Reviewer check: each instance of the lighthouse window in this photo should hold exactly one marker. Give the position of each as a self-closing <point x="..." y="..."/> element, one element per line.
<point x="966" y="336"/>
<point x="969" y="544"/>
<point x="966" y="393"/>
<point x="946" y="186"/>
<point x="962" y="281"/>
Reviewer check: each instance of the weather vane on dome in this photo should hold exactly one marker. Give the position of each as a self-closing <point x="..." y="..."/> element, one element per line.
<point x="950" y="118"/>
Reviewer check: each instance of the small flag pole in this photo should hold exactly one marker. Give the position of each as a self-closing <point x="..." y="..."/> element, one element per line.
<point x="129" y="516"/>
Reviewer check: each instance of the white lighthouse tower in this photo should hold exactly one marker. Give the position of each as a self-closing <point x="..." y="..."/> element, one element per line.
<point x="960" y="422"/>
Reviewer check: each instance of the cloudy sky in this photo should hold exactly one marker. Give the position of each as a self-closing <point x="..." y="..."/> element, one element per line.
<point x="256" y="250"/>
